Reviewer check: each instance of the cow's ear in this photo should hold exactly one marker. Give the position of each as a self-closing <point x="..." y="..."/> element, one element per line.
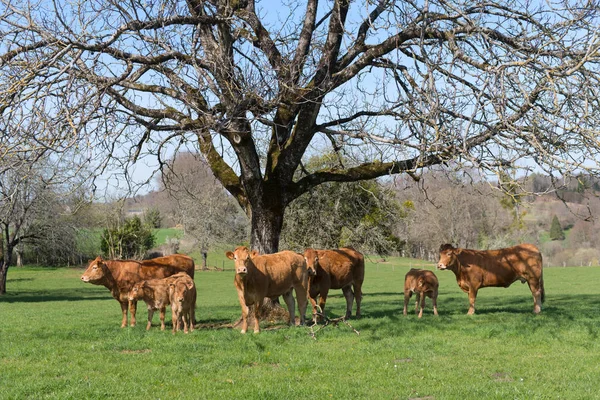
<point x="230" y="255"/>
<point x="190" y="285"/>
<point x="420" y="282"/>
<point x="254" y="253"/>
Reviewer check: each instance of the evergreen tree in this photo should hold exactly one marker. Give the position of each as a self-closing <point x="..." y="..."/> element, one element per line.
<point x="130" y="240"/>
<point x="556" y="231"/>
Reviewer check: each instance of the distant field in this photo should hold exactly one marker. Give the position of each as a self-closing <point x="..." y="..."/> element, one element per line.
<point x="163" y="233"/>
<point x="60" y="339"/>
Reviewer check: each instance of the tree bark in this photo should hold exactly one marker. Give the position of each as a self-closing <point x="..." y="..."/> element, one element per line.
<point x="3" y="273"/>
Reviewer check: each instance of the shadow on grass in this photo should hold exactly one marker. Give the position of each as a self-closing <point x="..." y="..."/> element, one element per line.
<point x="56" y="295"/>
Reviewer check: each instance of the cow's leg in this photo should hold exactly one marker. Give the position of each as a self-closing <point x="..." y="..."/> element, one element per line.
<point x="175" y="320"/>
<point x="358" y="297"/>
<point x="191" y="319"/>
<point x="302" y="299"/>
<point x="536" y="291"/>
<point x="245" y="311"/>
<point x="472" y="297"/>
<point x="257" y="306"/>
<point x="132" y="310"/>
<point x="422" y="304"/>
<point x="185" y="316"/>
<point x="407" y="296"/>
<point x="323" y="300"/>
<point x="347" y="290"/>
<point x="124" y="312"/>
<point x="288" y="297"/>
<point x="417" y="301"/>
<point x="313" y="303"/>
<point x="163" y="311"/>
<point x="434" y="300"/>
<point x="150" y="315"/>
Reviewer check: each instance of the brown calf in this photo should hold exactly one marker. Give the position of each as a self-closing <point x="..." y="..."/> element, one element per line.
<point x="335" y="269"/>
<point x="269" y="275"/>
<point x="119" y="276"/>
<point x="475" y="269"/>
<point x="182" y="294"/>
<point x="423" y="283"/>
<point x="155" y="293"/>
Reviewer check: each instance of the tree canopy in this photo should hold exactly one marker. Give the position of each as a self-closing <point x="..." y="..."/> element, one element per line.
<point x="396" y="85"/>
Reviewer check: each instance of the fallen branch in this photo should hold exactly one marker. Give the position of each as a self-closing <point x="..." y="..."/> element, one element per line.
<point x="328" y="321"/>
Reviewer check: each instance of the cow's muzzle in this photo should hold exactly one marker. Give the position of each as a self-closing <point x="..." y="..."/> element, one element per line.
<point x="312" y="272"/>
<point x="441" y="266"/>
<point x="242" y="271"/>
<point x="85" y="279"/>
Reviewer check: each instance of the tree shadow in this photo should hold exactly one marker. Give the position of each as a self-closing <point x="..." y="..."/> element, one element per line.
<point x="56" y="295"/>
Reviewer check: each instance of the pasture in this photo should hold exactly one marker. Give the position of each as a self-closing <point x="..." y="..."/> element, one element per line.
<point x="60" y="339"/>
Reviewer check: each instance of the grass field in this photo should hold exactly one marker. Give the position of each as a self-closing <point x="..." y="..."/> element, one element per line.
<point x="60" y="339"/>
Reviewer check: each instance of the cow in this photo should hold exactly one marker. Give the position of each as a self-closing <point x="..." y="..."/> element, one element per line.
<point x="475" y="269"/>
<point x="270" y="275"/>
<point x="182" y="295"/>
<point x="155" y="293"/>
<point x="119" y="276"/>
<point x="335" y="269"/>
<point x="423" y="283"/>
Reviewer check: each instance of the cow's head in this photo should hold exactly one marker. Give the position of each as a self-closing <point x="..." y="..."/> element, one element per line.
<point x="95" y="272"/>
<point x="448" y="258"/>
<point x="242" y="258"/>
<point x="312" y="260"/>
<point x="179" y="289"/>
<point x="137" y="291"/>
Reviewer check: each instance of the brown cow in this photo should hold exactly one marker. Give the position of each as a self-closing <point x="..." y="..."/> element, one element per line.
<point x="475" y="269"/>
<point x="269" y="275"/>
<point x="155" y="293"/>
<point x="423" y="283"/>
<point x="182" y="295"/>
<point x="119" y="276"/>
<point x="335" y="269"/>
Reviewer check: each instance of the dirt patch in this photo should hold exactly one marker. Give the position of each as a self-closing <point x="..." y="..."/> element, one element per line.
<point x="501" y="377"/>
<point x="142" y="351"/>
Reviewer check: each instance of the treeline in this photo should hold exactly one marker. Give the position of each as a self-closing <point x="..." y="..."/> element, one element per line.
<point x="403" y="216"/>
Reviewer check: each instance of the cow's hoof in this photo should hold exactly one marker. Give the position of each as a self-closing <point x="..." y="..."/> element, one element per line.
<point x="242" y="331"/>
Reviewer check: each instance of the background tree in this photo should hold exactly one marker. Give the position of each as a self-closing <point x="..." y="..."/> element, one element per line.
<point x="200" y="204"/>
<point x="358" y="214"/>
<point x="152" y="218"/>
<point x="129" y="239"/>
<point x="397" y="85"/>
<point x="556" y="231"/>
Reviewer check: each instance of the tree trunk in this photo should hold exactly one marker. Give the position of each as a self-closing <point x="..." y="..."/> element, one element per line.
<point x="3" y="272"/>
<point x="264" y="237"/>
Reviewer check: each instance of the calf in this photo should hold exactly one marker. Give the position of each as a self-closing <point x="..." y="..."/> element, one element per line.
<point x="119" y="276"/>
<point x="182" y="294"/>
<point x="423" y="283"/>
<point x="155" y="293"/>
<point x="335" y="269"/>
<point x="475" y="269"/>
<point x="270" y="275"/>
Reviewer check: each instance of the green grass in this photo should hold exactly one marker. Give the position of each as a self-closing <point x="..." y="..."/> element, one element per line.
<point x="163" y="233"/>
<point x="60" y="339"/>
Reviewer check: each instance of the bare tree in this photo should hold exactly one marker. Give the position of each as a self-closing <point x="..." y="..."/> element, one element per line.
<point x="397" y="84"/>
<point x="201" y="204"/>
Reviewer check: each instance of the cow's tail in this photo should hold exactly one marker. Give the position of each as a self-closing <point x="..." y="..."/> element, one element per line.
<point x="542" y="287"/>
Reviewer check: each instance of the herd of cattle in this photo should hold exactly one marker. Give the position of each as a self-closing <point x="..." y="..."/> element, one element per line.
<point x="164" y="281"/>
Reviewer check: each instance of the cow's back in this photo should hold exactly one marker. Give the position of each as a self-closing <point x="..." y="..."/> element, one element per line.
<point x="344" y="265"/>
<point x="502" y="267"/>
<point x="162" y="267"/>
<point x="411" y="279"/>
<point x="280" y="271"/>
